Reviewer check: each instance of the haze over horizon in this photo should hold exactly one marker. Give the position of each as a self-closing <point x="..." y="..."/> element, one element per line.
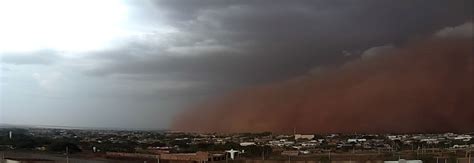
<point x="161" y="63"/>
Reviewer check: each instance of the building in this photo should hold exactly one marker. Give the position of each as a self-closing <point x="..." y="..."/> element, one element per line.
<point x="130" y="155"/>
<point x="301" y="136"/>
<point x="243" y="144"/>
<point x="198" y="157"/>
<point x="404" y="161"/>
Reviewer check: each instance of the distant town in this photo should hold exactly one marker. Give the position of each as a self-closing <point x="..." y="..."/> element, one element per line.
<point x="80" y="145"/>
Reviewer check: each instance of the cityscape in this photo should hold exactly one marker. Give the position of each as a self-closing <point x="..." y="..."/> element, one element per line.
<point x="82" y="145"/>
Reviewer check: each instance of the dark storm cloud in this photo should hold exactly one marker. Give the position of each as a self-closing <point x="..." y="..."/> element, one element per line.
<point x="237" y="43"/>
<point x="41" y="57"/>
<point x="329" y="21"/>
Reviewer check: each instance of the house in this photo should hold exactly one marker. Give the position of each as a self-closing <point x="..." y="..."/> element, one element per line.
<point x="243" y="144"/>
<point x="301" y="136"/>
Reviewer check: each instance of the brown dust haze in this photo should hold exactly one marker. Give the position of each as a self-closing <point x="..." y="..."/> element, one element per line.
<point x="423" y="86"/>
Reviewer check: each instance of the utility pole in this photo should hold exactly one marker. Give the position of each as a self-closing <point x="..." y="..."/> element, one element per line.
<point x="467" y="151"/>
<point x="422" y="152"/>
<point x="470" y="161"/>
<point x="67" y="154"/>
<point x="329" y="155"/>
<point x="469" y="155"/>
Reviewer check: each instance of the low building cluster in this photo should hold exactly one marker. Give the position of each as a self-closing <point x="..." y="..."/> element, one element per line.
<point x="213" y="146"/>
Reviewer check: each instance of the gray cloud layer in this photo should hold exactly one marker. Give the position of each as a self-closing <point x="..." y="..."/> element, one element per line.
<point x="257" y="41"/>
<point x="41" y="57"/>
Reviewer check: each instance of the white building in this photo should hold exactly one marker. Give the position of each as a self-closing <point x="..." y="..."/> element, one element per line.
<point x="352" y="140"/>
<point x="247" y="144"/>
<point x="463" y="137"/>
<point x="361" y="140"/>
<point x="356" y="140"/>
<point x="393" y="137"/>
<point x="301" y="136"/>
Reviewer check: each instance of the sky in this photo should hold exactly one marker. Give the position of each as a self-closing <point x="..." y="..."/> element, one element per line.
<point x="141" y="63"/>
